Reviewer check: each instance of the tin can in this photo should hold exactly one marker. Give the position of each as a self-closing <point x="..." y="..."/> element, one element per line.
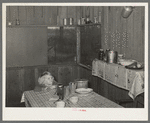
<point x="87" y="20"/>
<point x="79" y="22"/>
<point x="82" y="20"/>
<point x="95" y="20"/>
<point x="65" y="21"/>
<point x="70" y="21"/>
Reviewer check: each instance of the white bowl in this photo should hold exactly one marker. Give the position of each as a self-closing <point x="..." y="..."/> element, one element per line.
<point x="74" y="99"/>
<point x="125" y="62"/>
<point x="60" y="104"/>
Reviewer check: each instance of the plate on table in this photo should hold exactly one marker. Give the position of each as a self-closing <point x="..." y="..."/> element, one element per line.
<point x="84" y="90"/>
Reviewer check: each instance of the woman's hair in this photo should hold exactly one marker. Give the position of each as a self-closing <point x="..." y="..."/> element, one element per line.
<point x="45" y="73"/>
<point x="42" y="80"/>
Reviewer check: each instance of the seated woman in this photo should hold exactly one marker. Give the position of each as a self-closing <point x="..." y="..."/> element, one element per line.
<point x="45" y="81"/>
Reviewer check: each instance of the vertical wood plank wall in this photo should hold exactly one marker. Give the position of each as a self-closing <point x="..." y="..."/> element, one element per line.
<point x="20" y="79"/>
<point x="125" y="35"/>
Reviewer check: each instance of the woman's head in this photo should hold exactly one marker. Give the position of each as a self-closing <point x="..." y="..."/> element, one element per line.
<point x="46" y="79"/>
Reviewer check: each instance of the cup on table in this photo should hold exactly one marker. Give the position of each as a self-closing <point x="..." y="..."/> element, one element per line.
<point x="60" y="104"/>
<point x="74" y="99"/>
<point x="66" y="91"/>
<point x="72" y="86"/>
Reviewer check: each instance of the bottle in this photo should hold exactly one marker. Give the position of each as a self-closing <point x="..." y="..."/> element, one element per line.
<point x="60" y="91"/>
<point x="70" y="21"/>
<point x="106" y="54"/>
<point x="87" y="20"/>
<point x="101" y="54"/>
<point x="65" y="21"/>
<point x="17" y="22"/>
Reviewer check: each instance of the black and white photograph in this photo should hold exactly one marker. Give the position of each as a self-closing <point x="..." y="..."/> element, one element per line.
<point x="75" y="61"/>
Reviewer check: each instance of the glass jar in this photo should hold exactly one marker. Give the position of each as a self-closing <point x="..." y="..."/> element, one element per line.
<point x="120" y="56"/>
<point x="101" y="54"/>
<point x="17" y="22"/>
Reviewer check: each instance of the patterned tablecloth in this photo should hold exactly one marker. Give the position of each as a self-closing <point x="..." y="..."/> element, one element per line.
<point x="91" y="100"/>
<point x="132" y="80"/>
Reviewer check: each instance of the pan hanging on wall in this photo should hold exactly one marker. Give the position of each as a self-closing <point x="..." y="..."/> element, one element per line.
<point x="127" y="10"/>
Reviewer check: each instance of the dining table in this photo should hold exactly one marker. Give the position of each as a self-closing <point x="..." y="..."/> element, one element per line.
<point x="89" y="100"/>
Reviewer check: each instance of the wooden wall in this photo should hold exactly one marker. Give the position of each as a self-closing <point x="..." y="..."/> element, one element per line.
<point x="20" y="79"/>
<point x="26" y="46"/>
<point x="49" y="15"/>
<point x="125" y="35"/>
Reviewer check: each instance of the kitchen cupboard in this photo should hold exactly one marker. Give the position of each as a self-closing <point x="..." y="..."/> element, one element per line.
<point x="62" y="42"/>
<point x="121" y="77"/>
<point x="26" y="46"/>
<point x="89" y="43"/>
<point x="111" y="91"/>
<point x="115" y="74"/>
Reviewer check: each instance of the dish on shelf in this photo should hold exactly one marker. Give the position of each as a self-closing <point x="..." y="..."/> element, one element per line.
<point x="136" y="66"/>
<point x="84" y="90"/>
<point x="126" y="62"/>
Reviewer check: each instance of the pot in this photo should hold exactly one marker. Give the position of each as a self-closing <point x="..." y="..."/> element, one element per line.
<point x="82" y="83"/>
<point x="112" y="57"/>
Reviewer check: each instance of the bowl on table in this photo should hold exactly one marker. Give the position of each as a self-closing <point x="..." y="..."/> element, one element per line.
<point x="60" y="104"/>
<point x="74" y="99"/>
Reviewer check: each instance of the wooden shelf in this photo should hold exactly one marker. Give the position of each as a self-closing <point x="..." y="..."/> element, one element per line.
<point x="92" y="24"/>
<point x="20" y="26"/>
<point x="64" y="26"/>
